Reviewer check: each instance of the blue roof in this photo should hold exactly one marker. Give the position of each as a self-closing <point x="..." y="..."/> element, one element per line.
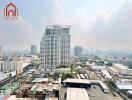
<point x="124" y="86"/>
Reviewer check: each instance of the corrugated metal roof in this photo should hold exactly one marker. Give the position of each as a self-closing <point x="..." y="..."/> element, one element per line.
<point x="121" y="66"/>
<point x="124" y="86"/>
<point x="130" y="92"/>
<point x="71" y="80"/>
<point x="105" y="72"/>
<point x="98" y="67"/>
<point x="103" y="85"/>
<point x="37" y="80"/>
<point x="77" y="94"/>
<point x="114" y="70"/>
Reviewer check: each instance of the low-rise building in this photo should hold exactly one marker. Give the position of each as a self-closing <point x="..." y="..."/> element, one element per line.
<point x="7" y="66"/>
<point x="129" y="93"/>
<point x="77" y="94"/>
<point x="124" y="86"/>
<point x="40" y="80"/>
<point x="13" y="65"/>
<point x="98" y="68"/>
<point x="124" y="70"/>
<point x="113" y="71"/>
<point x="70" y="82"/>
<point x="106" y="74"/>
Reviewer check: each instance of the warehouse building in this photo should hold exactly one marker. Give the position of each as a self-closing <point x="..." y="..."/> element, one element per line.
<point x="98" y="68"/>
<point x="124" y="86"/>
<point x="113" y="71"/>
<point x="82" y="83"/>
<point x="124" y="70"/>
<point x="129" y="93"/>
<point x="77" y="94"/>
<point x="106" y="74"/>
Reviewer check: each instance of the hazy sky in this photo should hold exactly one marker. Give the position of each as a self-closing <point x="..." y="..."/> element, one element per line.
<point x="99" y="24"/>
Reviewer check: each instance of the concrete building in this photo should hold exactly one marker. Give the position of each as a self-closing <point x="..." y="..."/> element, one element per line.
<point x="124" y="86"/>
<point x="106" y="74"/>
<point x="29" y="58"/>
<point x="104" y="87"/>
<point x="33" y="49"/>
<point x="77" y="51"/>
<point x="9" y="66"/>
<point x="90" y="62"/>
<point x="55" y="46"/>
<point x="79" y="83"/>
<point x="113" y="71"/>
<point x="40" y="88"/>
<point x="98" y="68"/>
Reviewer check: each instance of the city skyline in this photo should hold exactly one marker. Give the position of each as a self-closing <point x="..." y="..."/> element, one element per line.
<point x="94" y="24"/>
<point x="65" y="49"/>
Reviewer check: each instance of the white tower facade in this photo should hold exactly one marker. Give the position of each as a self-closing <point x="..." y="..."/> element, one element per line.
<point x="55" y="46"/>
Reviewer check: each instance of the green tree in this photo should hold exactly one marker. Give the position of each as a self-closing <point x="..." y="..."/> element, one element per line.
<point x="65" y="76"/>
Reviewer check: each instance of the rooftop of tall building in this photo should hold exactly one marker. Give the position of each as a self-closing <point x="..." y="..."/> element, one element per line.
<point x="58" y="26"/>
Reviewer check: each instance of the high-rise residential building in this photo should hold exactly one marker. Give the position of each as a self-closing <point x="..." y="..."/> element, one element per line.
<point x="55" y="46"/>
<point x="33" y="49"/>
<point x="77" y="51"/>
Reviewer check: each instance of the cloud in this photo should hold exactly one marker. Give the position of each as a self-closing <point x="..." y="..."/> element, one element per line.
<point x="16" y="35"/>
<point x="103" y="30"/>
<point x="79" y="20"/>
<point x="116" y="31"/>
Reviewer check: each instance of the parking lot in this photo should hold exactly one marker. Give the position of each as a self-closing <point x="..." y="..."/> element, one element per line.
<point x="97" y="94"/>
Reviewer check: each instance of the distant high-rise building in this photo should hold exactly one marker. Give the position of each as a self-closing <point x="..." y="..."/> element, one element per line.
<point x="33" y="49"/>
<point x="55" y="46"/>
<point x="0" y="51"/>
<point x="77" y="51"/>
